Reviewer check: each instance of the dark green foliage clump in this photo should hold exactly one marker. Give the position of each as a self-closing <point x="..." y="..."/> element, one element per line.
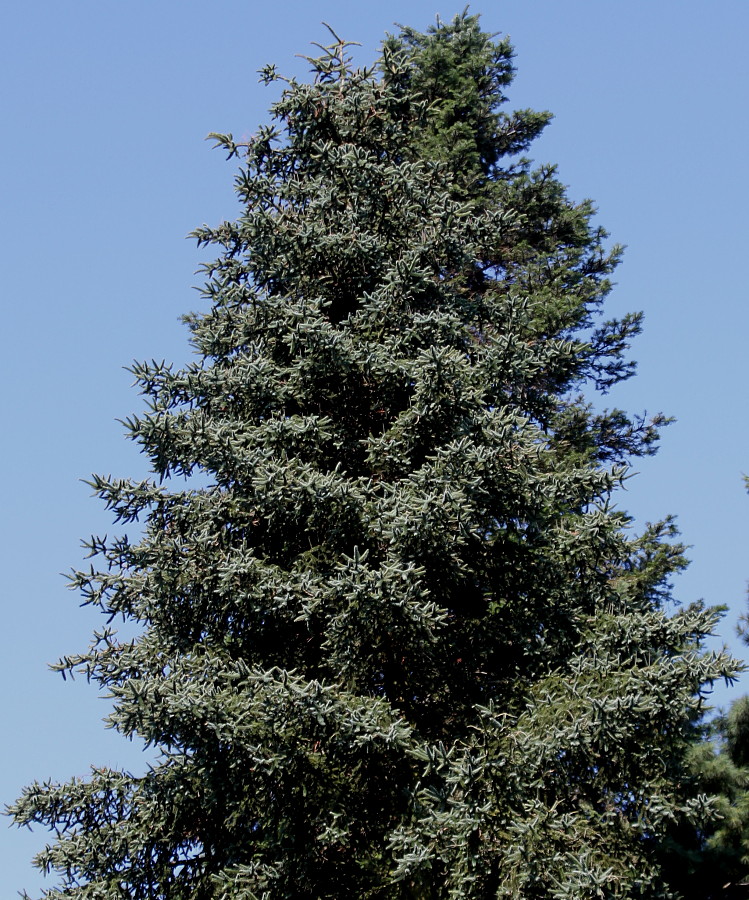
<point x="398" y="644"/>
<point x="711" y="861"/>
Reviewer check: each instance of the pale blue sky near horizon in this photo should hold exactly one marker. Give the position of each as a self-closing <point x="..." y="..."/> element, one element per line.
<point x="105" y="106"/>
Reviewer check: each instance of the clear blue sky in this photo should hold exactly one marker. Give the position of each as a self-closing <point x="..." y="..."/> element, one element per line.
<point x="105" y="105"/>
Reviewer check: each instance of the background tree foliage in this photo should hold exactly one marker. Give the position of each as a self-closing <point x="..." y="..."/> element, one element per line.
<point x="395" y="641"/>
<point x="709" y="860"/>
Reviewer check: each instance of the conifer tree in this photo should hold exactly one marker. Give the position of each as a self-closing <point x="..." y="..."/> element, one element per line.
<point x="395" y="641"/>
<point x="711" y="862"/>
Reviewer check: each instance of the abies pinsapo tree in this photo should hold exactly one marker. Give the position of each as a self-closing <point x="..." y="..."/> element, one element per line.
<point x="395" y="642"/>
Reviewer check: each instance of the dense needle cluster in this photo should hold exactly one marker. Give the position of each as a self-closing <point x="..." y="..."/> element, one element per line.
<point x="394" y="640"/>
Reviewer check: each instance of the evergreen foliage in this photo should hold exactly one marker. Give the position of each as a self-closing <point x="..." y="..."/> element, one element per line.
<point x="395" y="642"/>
<point x="711" y="862"/>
